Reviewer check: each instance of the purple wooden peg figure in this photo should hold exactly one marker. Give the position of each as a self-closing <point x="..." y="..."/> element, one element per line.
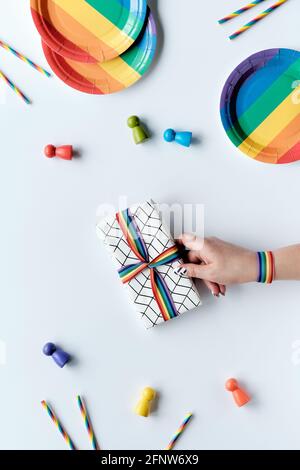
<point x="59" y="356"/>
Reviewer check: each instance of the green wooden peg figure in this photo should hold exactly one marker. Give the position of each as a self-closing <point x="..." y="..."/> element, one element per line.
<point x="139" y="133"/>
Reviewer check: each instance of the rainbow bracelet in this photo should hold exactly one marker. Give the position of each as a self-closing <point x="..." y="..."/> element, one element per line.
<point x="266" y="267"/>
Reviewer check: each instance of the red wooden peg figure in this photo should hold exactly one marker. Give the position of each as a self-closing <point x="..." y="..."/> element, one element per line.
<point x="241" y="398"/>
<point x="65" y="152"/>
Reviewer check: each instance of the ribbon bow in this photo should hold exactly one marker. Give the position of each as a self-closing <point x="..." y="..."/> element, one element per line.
<point x="137" y="244"/>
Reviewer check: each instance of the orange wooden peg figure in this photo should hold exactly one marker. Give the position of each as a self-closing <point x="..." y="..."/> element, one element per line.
<point x="65" y="152"/>
<point x="241" y="398"/>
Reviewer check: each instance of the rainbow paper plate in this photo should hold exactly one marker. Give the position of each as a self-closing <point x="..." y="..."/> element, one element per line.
<point x="89" y="30"/>
<point x="260" y="106"/>
<point x="112" y="76"/>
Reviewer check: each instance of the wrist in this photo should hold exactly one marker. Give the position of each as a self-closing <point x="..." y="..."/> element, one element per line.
<point x="283" y="266"/>
<point x="250" y="269"/>
<point x="287" y="263"/>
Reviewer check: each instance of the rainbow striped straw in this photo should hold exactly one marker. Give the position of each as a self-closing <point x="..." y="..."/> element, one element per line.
<point x="87" y="423"/>
<point x="257" y="19"/>
<point x="179" y="432"/>
<point x="14" y="88"/>
<point x="58" y="425"/>
<point x="7" y="47"/>
<point x="240" y="11"/>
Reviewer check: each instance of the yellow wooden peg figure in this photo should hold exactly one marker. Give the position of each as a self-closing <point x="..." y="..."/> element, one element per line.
<point x="143" y="406"/>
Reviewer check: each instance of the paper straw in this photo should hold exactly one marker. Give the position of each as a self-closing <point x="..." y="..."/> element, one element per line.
<point x="87" y="423"/>
<point x="58" y="425"/>
<point x="240" y="11"/>
<point x="14" y="88"/>
<point x="7" y="47"/>
<point x="257" y="19"/>
<point x="179" y="432"/>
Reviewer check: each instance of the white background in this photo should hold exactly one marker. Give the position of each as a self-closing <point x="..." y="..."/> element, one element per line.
<point x="58" y="284"/>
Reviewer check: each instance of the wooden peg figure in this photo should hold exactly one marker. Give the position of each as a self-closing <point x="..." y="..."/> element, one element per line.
<point x="139" y="133"/>
<point x="182" y="138"/>
<point x="60" y="357"/>
<point x="143" y="406"/>
<point x="65" y="152"/>
<point x="241" y="398"/>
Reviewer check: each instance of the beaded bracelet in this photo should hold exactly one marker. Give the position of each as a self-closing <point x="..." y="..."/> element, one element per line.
<point x="266" y="267"/>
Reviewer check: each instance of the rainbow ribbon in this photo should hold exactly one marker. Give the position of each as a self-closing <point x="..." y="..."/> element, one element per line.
<point x="179" y="432"/>
<point x="257" y="19"/>
<point x="240" y="11"/>
<point x="87" y="423"/>
<point x="137" y="244"/>
<point x="25" y="59"/>
<point x="58" y="425"/>
<point x="266" y="267"/>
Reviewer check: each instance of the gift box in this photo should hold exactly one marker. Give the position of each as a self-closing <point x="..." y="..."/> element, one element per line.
<point x="146" y="258"/>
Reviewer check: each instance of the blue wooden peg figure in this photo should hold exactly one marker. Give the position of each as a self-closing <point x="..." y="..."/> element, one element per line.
<point x="59" y="356"/>
<point x="182" y="138"/>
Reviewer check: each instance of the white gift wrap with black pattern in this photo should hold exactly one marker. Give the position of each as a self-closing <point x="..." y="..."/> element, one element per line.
<point x="157" y="239"/>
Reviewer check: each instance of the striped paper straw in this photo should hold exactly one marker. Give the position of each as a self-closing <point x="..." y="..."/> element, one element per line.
<point x="58" y="425"/>
<point x="14" y="88"/>
<point x="87" y="423"/>
<point x="257" y="19"/>
<point x="7" y="47"/>
<point x="240" y="11"/>
<point x="179" y="432"/>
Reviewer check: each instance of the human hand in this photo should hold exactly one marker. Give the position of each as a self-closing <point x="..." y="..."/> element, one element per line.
<point x="218" y="263"/>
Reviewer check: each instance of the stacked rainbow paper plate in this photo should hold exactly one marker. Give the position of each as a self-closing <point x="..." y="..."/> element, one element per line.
<point x="96" y="46"/>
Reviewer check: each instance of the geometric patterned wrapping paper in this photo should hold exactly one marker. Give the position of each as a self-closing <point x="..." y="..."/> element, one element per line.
<point x="157" y="240"/>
